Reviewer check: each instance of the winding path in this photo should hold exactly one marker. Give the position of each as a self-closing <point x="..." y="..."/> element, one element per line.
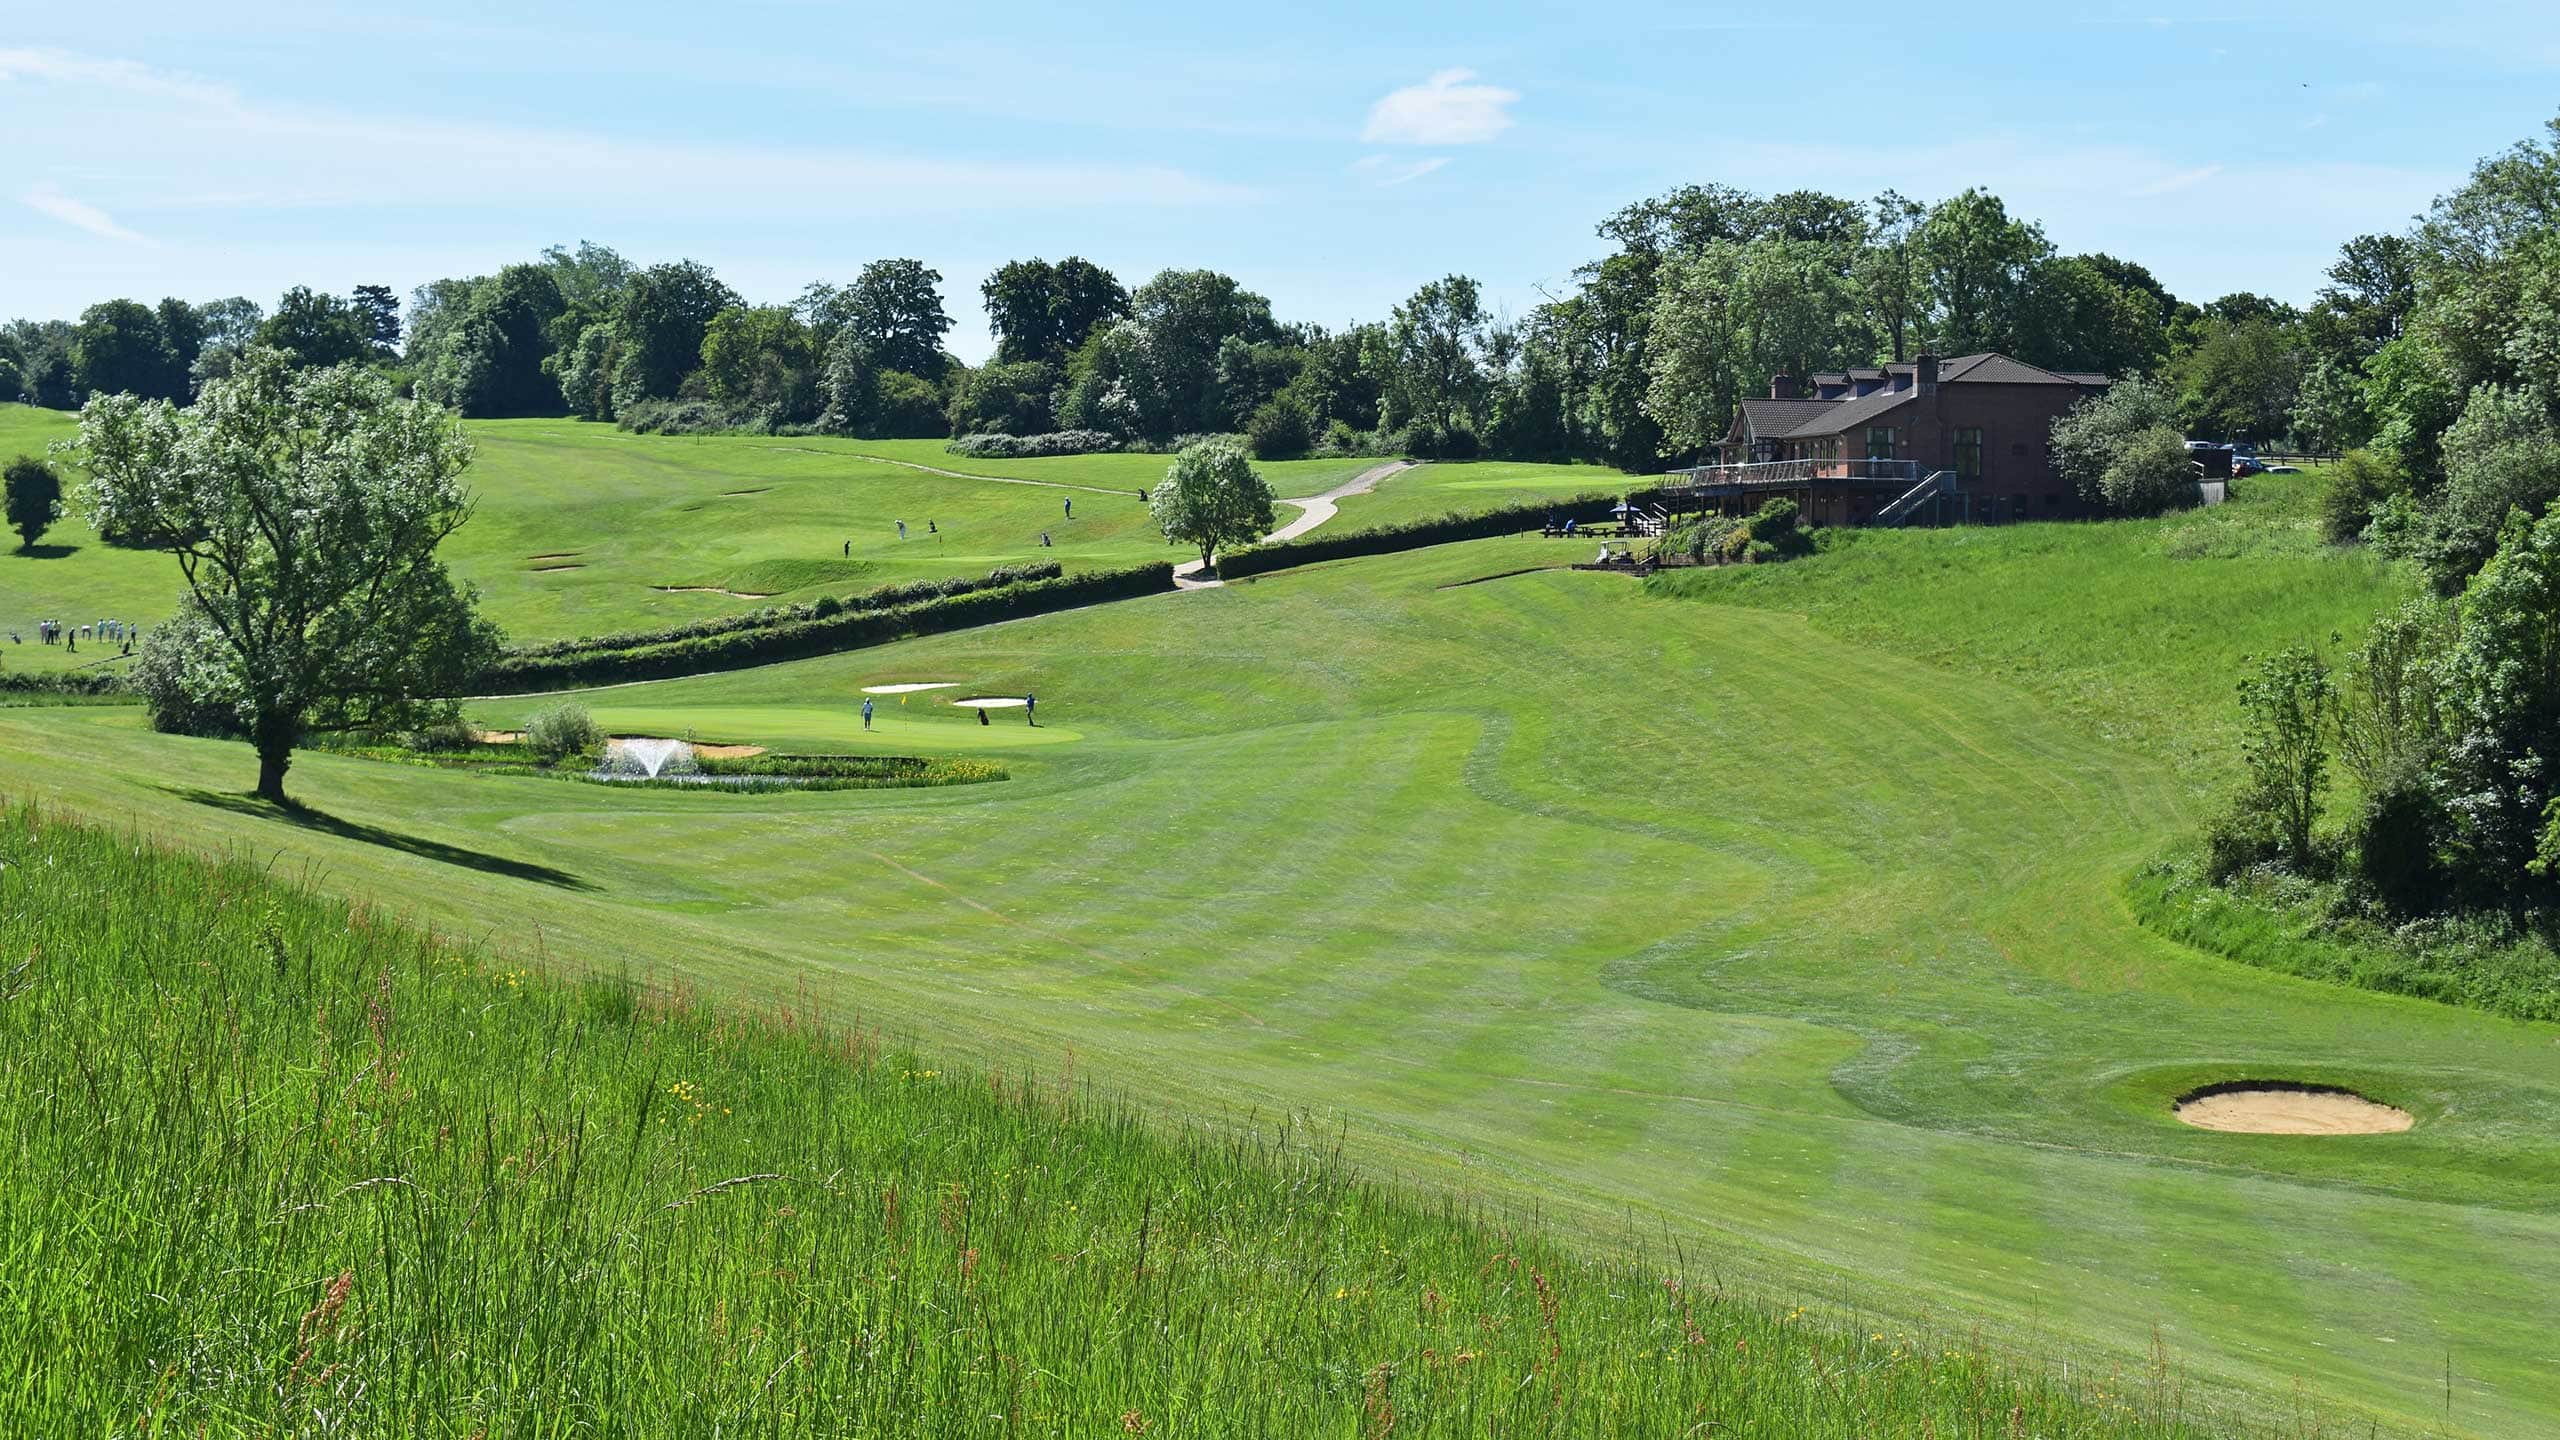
<point x="1313" y="510"/>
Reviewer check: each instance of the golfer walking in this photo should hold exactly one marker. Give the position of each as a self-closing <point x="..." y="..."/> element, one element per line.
<point x="866" y="712"/>
<point x="1030" y="709"/>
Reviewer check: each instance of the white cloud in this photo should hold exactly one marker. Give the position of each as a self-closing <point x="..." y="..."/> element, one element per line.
<point x="1447" y="109"/>
<point x="1384" y="170"/>
<point x="46" y="200"/>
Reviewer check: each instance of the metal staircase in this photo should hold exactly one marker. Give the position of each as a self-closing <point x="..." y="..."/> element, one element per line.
<point x="1902" y="506"/>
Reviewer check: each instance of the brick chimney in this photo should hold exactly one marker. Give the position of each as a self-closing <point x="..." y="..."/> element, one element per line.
<point x="1782" y="387"/>
<point x="1924" y="373"/>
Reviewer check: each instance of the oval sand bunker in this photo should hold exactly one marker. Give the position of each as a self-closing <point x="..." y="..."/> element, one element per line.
<point x="910" y="689"/>
<point x="2256" y="1107"/>
<point x="993" y="702"/>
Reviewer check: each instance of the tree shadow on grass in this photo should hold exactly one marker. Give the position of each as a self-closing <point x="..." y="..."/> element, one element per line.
<point x="46" y="552"/>
<point x="306" y="818"/>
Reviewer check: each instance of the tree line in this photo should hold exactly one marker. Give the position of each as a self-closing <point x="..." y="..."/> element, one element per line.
<point x="1705" y="292"/>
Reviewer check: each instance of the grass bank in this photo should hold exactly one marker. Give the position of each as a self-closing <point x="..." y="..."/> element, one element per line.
<point x="283" y="1165"/>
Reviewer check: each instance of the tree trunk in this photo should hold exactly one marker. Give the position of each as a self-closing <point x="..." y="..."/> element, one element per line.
<point x="274" y="736"/>
<point x="1209" y="561"/>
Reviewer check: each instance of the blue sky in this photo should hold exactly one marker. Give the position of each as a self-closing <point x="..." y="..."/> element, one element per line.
<point x="1331" y="156"/>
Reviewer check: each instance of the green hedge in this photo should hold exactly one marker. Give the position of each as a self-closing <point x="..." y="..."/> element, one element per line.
<point x="28" y="687"/>
<point x="907" y="592"/>
<point x="799" y="639"/>
<point x="1415" y="534"/>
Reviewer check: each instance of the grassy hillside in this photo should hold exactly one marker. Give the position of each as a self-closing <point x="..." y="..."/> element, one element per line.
<point x="2140" y="630"/>
<point x="282" y="1166"/>
<point x="1689" y="920"/>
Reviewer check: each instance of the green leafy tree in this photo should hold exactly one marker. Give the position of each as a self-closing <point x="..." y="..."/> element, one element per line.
<point x="2501" y="457"/>
<point x="1212" y="499"/>
<point x="318" y="329"/>
<point x="1005" y="398"/>
<point x="483" y="346"/>
<point x="304" y="509"/>
<point x="381" y="311"/>
<point x="762" y="359"/>
<point x="1975" y="262"/>
<point x="1167" y="353"/>
<point x="2501" y="699"/>
<point x="665" y="311"/>
<point x="2073" y="316"/>
<point x="31" y="493"/>
<point x="2241" y="378"/>
<point x="908" y="407"/>
<point x="1886" y="270"/>
<point x="2124" y="422"/>
<point x="2148" y="473"/>
<point x="1436" y="340"/>
<point x="848" y="388"/>
<point x="894" y="311"/>
<point x="1038" y="311"/>
<point x="586" y="372"/>
<point x="1282" y="429"/>
<point x="1694" y="347"/>
<point x="230" y="326"/>
<point x="118" y="348"/>
<point x="2289" y="714"/>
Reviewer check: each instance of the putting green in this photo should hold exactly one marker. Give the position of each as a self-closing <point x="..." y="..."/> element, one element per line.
<point x="1677" y="921"/>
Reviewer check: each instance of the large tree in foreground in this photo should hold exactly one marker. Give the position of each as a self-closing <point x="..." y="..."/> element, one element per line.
<point x="304" y="508"/>
<point x="1212" y="498"/>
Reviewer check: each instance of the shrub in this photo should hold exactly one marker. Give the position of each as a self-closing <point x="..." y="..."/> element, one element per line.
<point x="2094" y="434"/>
<point x="2237" y="840"/>
<point x="675" y="417"/>
<point x="448" y="733"/>
<point x="1341" y="439"/>
<point x="908" y="407"/>
<point x="1282" y="429"/>
<point x="2352" y="490"/>
<point x="2398" y="835"/>
<point x="1035" y="447"/>
<point x="563" y="732"/>
<point x="183" y="693"/>
<point x="2149" y="472"/>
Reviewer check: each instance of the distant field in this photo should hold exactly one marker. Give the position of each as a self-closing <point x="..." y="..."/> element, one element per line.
<point x="583" y="529"/>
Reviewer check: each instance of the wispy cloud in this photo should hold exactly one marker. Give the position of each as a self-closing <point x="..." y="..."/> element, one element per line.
<point x="188" y="143"/>
<point x="2171" y="184"/>
<point x="1382" y="171"/>
<point x="1450" y="108"/>
<point x="46" y="200"/>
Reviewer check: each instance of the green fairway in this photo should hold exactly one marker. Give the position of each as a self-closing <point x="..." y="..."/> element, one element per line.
<point x="1674" y="917"/>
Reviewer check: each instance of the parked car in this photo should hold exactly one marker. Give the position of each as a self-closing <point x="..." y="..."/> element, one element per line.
<point x="2245" y="464"/>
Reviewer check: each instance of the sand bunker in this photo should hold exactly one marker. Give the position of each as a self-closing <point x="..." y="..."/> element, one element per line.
<point x="2262" y="1107"/>
<point x="993" y="702"/>
<point x="498" y="737"/>
<point x="727" y="752"/>
<point x="707" y="590"/>
<point x="910" y="689"/>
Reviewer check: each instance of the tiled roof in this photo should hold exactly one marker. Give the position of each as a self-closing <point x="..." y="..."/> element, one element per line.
<point x="1769" y="419"/>
<point x="1990" y="369"/>
<point x="1833" y="416"/>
